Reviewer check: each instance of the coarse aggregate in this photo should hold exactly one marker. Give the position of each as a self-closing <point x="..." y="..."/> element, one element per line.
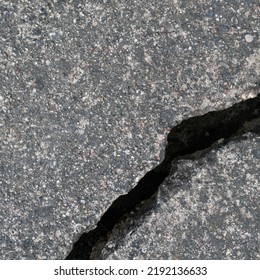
<point x="206" y="209"/>
<point x="89" y="91"/>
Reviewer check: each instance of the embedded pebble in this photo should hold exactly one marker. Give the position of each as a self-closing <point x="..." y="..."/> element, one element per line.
<point x="249" y="38"/>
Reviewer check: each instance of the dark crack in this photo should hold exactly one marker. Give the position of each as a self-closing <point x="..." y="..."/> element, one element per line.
<point x="195" y="135"/>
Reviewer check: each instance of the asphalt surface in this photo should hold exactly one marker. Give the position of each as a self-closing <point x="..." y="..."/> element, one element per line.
<point x="206" y="209"/>
<point x="89" y="91"/>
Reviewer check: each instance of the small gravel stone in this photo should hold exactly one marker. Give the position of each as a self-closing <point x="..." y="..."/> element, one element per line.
<point x="249" y="38"/>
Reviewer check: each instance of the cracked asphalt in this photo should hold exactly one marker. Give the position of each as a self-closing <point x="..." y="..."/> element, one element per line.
<point x="89" y="91"/>
<point x="206" y="209"/>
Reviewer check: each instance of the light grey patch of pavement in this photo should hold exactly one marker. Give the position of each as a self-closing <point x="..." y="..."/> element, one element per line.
<point x="89" y="90"/>
<point x="206" y="209"/>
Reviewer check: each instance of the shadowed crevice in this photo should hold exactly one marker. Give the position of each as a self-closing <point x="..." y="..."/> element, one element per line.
<point x="198" y="135"/>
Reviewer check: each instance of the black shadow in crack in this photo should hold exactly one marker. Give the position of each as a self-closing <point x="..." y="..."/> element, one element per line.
<point x="194" y="136"/>
<point x="130" y="222"/>
<point x="178" y="180"/>
<point x="127" y="224"/>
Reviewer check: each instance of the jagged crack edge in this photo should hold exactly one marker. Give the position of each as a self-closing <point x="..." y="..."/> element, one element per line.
<point x="191" y="135"/>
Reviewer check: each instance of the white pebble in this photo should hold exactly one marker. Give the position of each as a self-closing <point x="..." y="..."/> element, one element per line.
<point x="249" y="38"/>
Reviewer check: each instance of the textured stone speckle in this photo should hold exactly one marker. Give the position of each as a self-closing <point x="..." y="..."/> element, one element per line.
<point x="90" y="88"/>
<point x="207" y="209"/>
<point x="249" y="38"/>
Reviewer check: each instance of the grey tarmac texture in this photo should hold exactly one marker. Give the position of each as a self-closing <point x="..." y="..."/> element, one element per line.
<point x="206" y="209"/>
<point x="89" y="91"/>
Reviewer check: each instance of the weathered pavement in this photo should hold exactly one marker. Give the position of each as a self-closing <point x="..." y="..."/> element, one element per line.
<point x="192" y="138"/>
<point x="89" y="92"/>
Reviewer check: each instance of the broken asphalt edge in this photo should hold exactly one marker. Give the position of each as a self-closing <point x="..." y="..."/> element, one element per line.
<point x="190" y="136"/>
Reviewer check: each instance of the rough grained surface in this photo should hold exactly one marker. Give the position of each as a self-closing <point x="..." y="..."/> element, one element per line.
<point x="207" y="209"/>
<point x="88" y="92"/>
<point x="196" y="135"/>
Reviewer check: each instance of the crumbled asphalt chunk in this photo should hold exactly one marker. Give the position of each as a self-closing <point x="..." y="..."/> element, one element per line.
<point x="188" y="137"/>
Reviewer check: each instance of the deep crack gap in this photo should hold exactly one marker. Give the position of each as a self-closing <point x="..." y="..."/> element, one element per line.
<point x="190" y="136"/>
